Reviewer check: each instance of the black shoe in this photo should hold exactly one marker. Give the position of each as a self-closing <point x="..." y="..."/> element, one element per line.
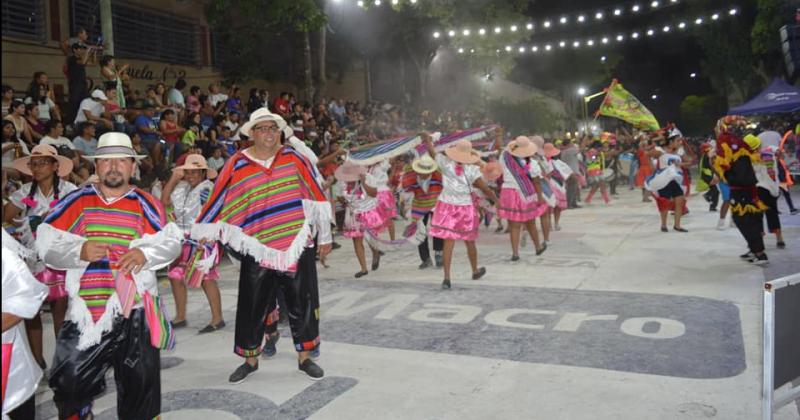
<point x="179" y="324"/>
<point x="446" y="284"/>
<point x="437" y="256"/>
<point x="376" y="264"/>
<point x="712" y="209"/>
<point x="781" y="245"/>
<point x="335" y="245"/>
<point x="361" y="274"/>
<point x="478" y="274"/>
<point x="514" y="258"/>
<point x="269" y="346"/>
<point x="211" y="328"/>
<point x="748" y="255"/>
<point x="677" y="229"/>
<point x="664" y="229"/>
<point x="542" y="249"/>
<point x="311" y="369"/>
<point x="793" y="211"/>
<point x="242" y="372"/>
<point x="760" y="260"/>
<point x="425" y="264"/>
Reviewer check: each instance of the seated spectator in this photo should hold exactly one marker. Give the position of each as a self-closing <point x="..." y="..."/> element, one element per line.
<point x="216" y="97"/>
<point x="32" y="117"/>
<point x="55" y="135"/>
<point x="152" y="99"/>
<point x="281" y="105"/>
<point x="193" y="103"/>
<point x="85" y="143"/>
<point x="114" y="111"/>
<point x="171" y="132"/>
<point x="175" y="98"/>
<point x="207" y="112"/>
<point x="216" y="161"/>
<point x="233" y="122"/>
<point x="12" y="148"/>
<point x="148" y="133"/>
<point x="234" y="102"/>
<point x="16" y="114"/>
<point x="39" y="92"/>
<point x="194" y="134"/>
<point x="8" y="97"/>
<point x="254" y="102"/>
<point x="92" y="109"/>
<point x="146" y="166"/>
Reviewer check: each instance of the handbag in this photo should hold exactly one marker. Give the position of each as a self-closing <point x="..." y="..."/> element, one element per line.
<point x="162" y="336"/>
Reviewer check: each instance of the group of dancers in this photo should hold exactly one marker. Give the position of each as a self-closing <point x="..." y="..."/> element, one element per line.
<point x="92" y="251"/>
<point x="450" y="192"/>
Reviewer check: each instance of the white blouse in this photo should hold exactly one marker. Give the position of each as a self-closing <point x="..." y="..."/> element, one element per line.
<point x="187" y="202"/>
<point x="22" y="296"/>
<point x="358" y="200"/>
<point x="378" y="175"/>
<point x="42" y="203"/>
<point x="456" y="189"/>
<point x="534" y="171"/>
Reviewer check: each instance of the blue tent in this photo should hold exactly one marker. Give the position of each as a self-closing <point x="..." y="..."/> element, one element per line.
<point x="779" y="96"/>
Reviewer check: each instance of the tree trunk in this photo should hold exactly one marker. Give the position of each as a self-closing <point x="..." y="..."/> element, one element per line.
<point x="367" y="81"/>
<point x="322" y="78"/>
<point x="308" y="80"/>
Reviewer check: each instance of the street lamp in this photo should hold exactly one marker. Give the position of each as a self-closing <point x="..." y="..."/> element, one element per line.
<point x="654" y="96"/>
<point x="582" y="91"/>
<point x="693" y="75"/>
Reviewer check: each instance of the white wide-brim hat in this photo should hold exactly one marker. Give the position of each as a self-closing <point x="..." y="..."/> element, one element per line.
<point x="262" y="115"/>
<point x="424" y="165"/>
<point x="115" y="145"/>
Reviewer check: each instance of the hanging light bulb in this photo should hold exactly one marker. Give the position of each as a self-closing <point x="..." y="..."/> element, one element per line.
<point x="635" y="35"/>
<point x="529" y="26"/>
<point x="546" y="24"/>
<point x="508" y="48"/>
<point x="436" y="34"/>
<point x="733" y="12"/>
<point x="590" y="42"/>
<point x="534" y="48"/>
<point x="562" y="44"/>
<point x="682" y="25"/>
<point x="548" y="47"/>
<point x="482" y="31"/>
<point x="451" y="33"/>
<point x="617" y="12"/>
<point x="360" y="3"/>
<point x="581" y="18"/>
<point x="666" y="28"/>
<point x="604" y="40"/>
<point x="377" y="2"/>
<point x="563" y="20"/>
<point x="654" y="4"/>
<point x="465" y="32"/>
<point x="620" y="37"/>
<point x="461" y="51"/>
<point x="698" y="21"/>
<point x="498" y="29"/>
<point x="576" y="44"/>
<point x="513" y="28"/>
<point x="598" y="15"/>
<point x="635" y="8"/>
<point x="650" y="32"/>
<point x="522" y="49"/>
<point x="715" y="16"/>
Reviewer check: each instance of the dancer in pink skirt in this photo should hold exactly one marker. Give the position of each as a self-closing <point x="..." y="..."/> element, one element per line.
<point x="557" y="174"/>
<point x="455" y="216"/>
<point x="547" y="193"/>
<point x="363" y="211"/>
<point x="377" y="177"/>
<point x="521" y="200"/>
<point x="25" y="210"/>
<point x="186" y="193"/>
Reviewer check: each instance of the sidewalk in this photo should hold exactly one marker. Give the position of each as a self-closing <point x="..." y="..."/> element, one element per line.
<point x="617" y="320"/>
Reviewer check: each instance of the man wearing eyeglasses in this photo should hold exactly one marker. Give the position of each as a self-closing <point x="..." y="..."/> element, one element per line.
<point x="268" y="205"/>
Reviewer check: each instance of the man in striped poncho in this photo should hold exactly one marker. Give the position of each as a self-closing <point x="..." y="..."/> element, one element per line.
<point x="268" y="206"/>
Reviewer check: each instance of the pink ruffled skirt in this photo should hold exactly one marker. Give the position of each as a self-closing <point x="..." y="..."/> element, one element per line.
<point x="451" y="221"/>
<point x="55" y="281"/>
<point x="178" y="269"/>
<point x="560" y="193"/>
<point x="387" y="204"/>
<point x="514" y="207"/>
<point x="373" y="220"/>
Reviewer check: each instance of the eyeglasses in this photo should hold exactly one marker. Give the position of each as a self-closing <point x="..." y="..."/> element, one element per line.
<point x="266" y="129"/>
<point x="39" y="163"/>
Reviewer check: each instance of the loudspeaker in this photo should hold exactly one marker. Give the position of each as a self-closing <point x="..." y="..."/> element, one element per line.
<point x="790" y="46"/>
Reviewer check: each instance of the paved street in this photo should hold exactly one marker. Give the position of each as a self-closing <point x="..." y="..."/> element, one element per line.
<point x="616" y="320"/>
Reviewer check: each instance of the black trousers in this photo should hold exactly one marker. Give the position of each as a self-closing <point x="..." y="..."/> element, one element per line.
<point x="78" y="376"/>
<point x="771" y="214"/>
<point x="573" y="191"/>
<point x="750" y="225"/>
<point x="788" y="197"/>
<point x="258" y="287"/>
<point x="712" y="196"/>
<point x="25" y="411"/>
<point x="438" y="243"/>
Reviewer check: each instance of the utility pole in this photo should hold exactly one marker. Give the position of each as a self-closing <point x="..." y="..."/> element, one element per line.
<point x="107" y="26"/>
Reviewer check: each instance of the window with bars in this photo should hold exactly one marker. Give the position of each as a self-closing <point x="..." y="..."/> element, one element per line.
<point x="24" y="19"/>
<point x="143" y="33"/>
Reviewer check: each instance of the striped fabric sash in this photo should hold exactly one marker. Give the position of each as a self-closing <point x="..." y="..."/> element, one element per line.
<point x="472" y="134"/>
<point x="370" y="154"/>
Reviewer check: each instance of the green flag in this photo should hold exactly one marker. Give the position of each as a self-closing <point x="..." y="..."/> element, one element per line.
<point x="619" y="103"/>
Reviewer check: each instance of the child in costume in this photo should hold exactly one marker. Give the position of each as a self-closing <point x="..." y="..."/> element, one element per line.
<point x="423" y="180"/>
<point x="186" y="192"/>
<point x="363" y="211"/>
<point x="26" y="209"/>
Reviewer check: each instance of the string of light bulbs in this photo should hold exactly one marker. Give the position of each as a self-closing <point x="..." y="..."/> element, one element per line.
<point x="603" y="40"/>
<point x="598" y="14"/>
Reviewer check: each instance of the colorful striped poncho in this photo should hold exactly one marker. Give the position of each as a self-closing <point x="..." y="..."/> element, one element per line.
<point x="423" y="202"/>
<point x="267" y="213"/>
<point x="134" y="220"/>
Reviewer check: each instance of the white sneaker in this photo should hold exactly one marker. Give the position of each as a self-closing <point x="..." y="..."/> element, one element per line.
<point x="721" y="224"/>
<point x="731" y="224"/>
